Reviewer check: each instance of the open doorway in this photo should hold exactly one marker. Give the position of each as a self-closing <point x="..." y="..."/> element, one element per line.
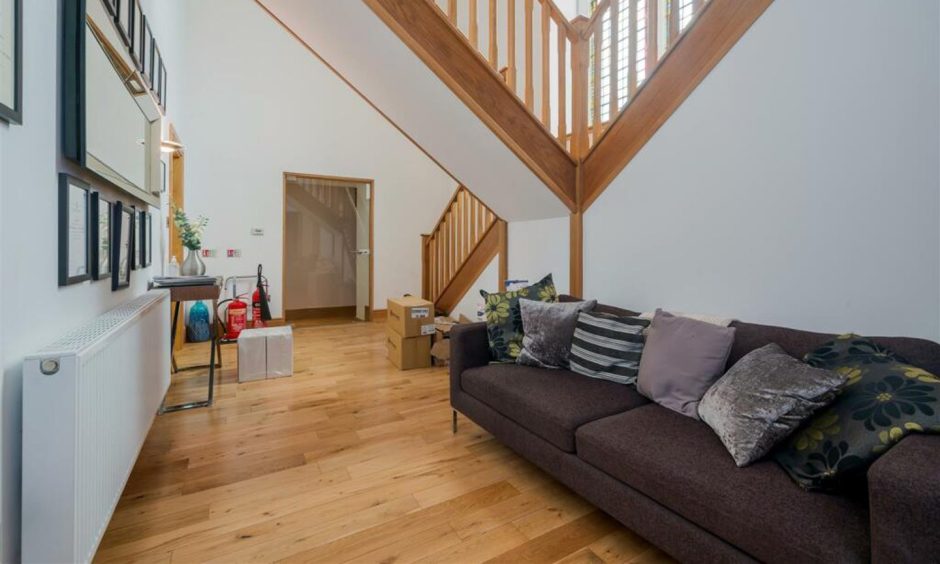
<point x="328" y="247"/>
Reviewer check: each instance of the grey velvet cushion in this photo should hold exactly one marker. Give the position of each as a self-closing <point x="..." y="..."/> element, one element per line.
<point x="682" y="359"/>
<point x="763" y="398"/>
<point x="547" y="330"/>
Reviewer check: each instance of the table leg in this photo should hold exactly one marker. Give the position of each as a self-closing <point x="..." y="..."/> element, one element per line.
<point x="215" y="340"/>
<point x="176" y="317"/>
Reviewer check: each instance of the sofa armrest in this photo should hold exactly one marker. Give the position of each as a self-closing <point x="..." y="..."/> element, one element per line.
<point x="904" y="501"/>
<point x="469" y="348"/>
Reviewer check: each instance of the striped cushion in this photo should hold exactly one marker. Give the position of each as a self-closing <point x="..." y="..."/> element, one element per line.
<point x="607" y="346"/>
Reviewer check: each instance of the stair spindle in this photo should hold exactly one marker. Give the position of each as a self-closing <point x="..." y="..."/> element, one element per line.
<point x="546" y="79"/>
<point x="652" y="31"/>
<point x="511" y="44"/>
<point x="493" y="55"/>
<point x="474" y="28"/>
<point x="529" y="92"/>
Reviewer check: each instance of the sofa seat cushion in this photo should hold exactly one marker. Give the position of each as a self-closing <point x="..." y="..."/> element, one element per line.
<point x="681" y="463"/>
<point x="550" y="403"/>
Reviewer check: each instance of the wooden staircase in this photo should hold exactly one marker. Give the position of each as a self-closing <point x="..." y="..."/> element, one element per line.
<point x="557" y="92"/>
<point x="466" y="238"/>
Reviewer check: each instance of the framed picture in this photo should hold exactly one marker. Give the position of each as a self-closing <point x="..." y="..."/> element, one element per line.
<point x="156" y="61"/>
<point x="11" y="61"/>
<point x="163" y="89"/>
<point x="74" y="239"/>
<point x="126" y="18"/>
<point x="141" y="41"/>
<point x="112" y="7"/>
<point x="134" y="252"/>
<point x="122" y="220"/>
<point x="142" y="248"/>
<point x="149" y="239"/>
<point x="100" y="223"/>
<point x="146" y="51"/>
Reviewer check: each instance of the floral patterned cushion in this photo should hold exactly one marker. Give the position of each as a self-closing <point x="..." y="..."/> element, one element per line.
<point x="883" y="400"/>
<point x="504" y="317"/>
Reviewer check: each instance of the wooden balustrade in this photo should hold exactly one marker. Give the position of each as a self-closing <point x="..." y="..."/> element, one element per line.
<point x="598" y="66"/>
<point x="465" y="226"/>
<point x="547" y="45"/>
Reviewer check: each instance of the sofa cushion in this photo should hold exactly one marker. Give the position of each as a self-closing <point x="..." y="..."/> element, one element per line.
<point x="680" y="463"/>
<point x="504" y="317"/>
<point x="549" y="403"/>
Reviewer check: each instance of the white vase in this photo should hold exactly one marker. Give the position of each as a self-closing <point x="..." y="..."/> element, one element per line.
<point x="193" y="265"/>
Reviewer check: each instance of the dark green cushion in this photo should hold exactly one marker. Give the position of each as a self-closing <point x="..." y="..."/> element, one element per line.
<point x="883" y="400"/>
<point x="504" y="317"/>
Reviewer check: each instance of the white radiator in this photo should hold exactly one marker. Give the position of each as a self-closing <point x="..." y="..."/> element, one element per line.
<point x="88" y="402"/>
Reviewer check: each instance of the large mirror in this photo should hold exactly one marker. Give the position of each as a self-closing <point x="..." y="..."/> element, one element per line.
<point x="112" y="122"/>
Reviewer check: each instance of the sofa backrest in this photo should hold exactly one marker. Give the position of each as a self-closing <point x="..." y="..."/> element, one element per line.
<point x="749" y="336"/>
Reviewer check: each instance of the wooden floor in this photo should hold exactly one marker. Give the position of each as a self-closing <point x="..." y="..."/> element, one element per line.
<point x="347" y="460"/>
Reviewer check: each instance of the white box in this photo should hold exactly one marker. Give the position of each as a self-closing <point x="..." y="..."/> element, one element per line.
<point x="252" y="355"/>
<point x="280" y="350"/>
<point x="267" y="352"/>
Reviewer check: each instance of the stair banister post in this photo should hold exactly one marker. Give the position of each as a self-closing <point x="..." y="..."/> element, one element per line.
<point x="579" y="82"/>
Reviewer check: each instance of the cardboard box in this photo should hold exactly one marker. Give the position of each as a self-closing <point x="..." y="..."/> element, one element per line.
<point x="408" y="352"/>
<point x="410" y="316"/>
<point x="266" y="352"/>
<point x="252" y="356"/>
<point x="280" y="351"/>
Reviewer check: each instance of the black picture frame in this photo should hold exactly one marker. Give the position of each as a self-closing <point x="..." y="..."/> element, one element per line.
<point x="134" y="254"/>
<point x="149" y="236"/>
<point x="126" y="18"/>
<point x="142" y="250"/>
<point x="14" y="114"/>
<point x="111" y="6"/>
<point x="146" y="57"/>
<point x="74" y="258"/>
<point x="122" y="229"/>
<point x="156" y="61"/>
<point x="163" y="90"/>
<point x="141" y="51"/>
<point x="100" y="223"/>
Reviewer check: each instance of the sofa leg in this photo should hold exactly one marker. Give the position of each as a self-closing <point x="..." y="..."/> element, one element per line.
<point x="454" y="424"/>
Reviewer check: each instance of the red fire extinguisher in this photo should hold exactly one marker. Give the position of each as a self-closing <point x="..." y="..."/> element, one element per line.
<point x="237" y="318"/>
<point x="260" y="312"/>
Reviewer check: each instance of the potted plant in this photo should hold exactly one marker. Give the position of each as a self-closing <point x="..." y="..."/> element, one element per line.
<point x="191" y="237"/>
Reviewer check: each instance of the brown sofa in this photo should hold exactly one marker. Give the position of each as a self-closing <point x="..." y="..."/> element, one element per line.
<point x="669" y="478"/>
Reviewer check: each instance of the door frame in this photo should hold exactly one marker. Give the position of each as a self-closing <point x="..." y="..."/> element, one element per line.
<point x="370" y="308"/>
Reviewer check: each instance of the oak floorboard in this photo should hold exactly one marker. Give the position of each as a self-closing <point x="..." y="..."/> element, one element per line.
<point x="348" y="460"/>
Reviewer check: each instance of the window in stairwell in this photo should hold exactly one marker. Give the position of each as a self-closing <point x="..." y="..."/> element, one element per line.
<point x="605" y="67"/>
<point x="686" y="11"/>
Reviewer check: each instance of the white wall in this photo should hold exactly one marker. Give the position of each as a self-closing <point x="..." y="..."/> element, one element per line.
<point x="489" y="281"/>
<point x="540" y="247"/>
<point x="267" y="106"/>
<point x="798" y="185"/>
<point x="409" y="92"/>
<point x="34" y="309"/>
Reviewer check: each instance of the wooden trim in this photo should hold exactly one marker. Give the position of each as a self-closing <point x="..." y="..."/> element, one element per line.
<point x="576" y="254"/>
<point x="371" y="187"/>
<point x="511" y="44"/>
<point x="319" y="313"/>
<point x="451" y="57"/>
<point x="379" y="315"/>
<point x="474" y="31"/>
<point x="717" y="29"/>
<point x="345" y="81"/>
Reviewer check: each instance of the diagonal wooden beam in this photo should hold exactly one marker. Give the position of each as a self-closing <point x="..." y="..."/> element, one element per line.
<point x="716" y="30"/>
<point x="461" y="67"/>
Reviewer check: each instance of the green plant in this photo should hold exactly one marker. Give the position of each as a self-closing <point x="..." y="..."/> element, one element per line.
<point x="190" y="232"/>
